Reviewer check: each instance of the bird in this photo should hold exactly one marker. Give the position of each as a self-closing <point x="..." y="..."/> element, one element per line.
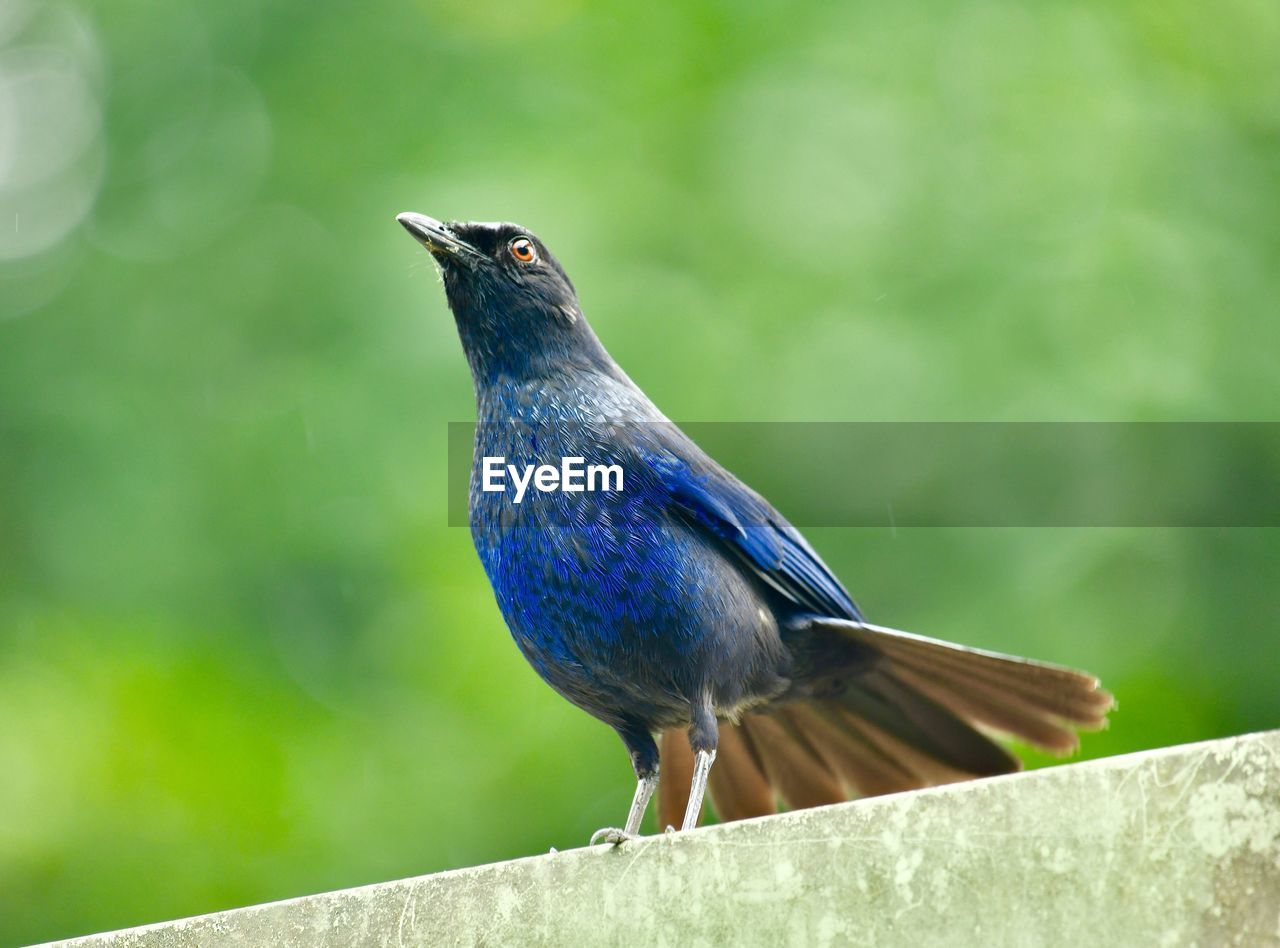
<point x="683" y="610"/>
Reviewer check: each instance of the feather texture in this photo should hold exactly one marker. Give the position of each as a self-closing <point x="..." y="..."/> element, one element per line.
<point x="917" y="714"/>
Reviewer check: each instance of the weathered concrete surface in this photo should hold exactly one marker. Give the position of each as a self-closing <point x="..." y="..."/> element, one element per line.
<point x="1171" y="847"/>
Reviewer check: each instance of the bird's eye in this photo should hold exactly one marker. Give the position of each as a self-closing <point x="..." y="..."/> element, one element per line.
<point x="523" y="250"/>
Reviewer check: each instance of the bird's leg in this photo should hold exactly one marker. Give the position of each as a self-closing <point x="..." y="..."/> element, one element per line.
<point x="702" y="762"/>
<point x="703" y="737"/>
<point x="639" y="804"/>
<point x="644" y="758"/>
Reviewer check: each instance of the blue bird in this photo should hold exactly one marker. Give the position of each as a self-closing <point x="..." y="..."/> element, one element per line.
<point x="683" y="603"/>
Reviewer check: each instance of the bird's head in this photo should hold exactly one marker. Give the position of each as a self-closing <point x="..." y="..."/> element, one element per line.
<point x="516" y="310"/>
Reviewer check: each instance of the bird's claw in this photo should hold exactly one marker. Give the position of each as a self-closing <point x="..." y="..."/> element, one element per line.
<point x="611" y="835"/>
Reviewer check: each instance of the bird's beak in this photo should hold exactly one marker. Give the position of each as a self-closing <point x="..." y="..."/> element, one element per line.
<point x="437" y="238"/>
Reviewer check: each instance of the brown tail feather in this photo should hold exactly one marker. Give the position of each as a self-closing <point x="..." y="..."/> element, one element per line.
<point x="675" y="773"/>
<point x="1082" y="704"/>
<point x="801" y="778"/>
<point x="879" y="697"/>
<point x="926" y="770"/>
<point x="1005" y="713"/>
<point x="1065" y="692"/>
<point x="908" y="719"/>
<point x="860" y="762"/>
<point x="738" y="786"/>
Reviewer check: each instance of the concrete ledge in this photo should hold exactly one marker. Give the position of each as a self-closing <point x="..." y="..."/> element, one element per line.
<point x="1171" y="847"/>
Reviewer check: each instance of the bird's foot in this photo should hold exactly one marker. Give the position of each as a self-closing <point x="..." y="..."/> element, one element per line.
<point x="611" y="835"/>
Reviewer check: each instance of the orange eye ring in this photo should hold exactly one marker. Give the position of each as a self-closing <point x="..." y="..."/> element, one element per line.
<point x="523" y="250"/>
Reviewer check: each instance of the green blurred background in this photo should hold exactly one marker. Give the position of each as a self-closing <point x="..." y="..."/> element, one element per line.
<point x="243" y="657"/>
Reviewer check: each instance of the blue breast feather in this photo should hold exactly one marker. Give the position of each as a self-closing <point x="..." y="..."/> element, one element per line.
<point x="625" y="550"/>
<point x="617" y="597"/>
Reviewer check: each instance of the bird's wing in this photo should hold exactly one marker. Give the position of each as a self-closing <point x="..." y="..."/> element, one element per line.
<point x="715" y="501"/>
